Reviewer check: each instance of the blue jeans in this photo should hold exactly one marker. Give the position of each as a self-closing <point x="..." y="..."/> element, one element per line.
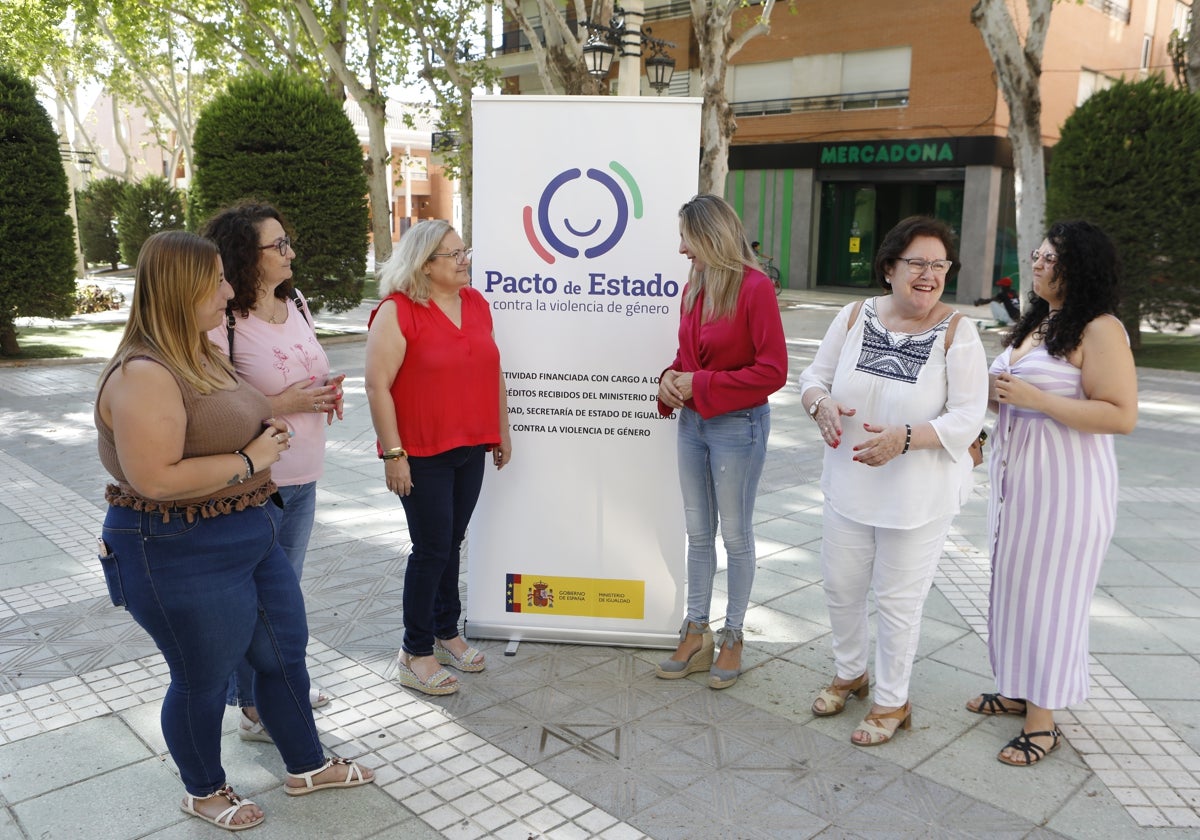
<point x="444" y="492"/>
<point x="720" y="462"/>
<point x="294" y="522"/>
<point x="211" y="592"/>
<point x="293" y="527"/>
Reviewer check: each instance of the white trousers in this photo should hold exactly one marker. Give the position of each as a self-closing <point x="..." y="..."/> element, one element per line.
<point x="898" y="564"/>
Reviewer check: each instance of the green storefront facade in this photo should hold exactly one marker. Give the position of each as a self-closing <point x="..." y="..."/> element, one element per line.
<point x="820" y="209"/>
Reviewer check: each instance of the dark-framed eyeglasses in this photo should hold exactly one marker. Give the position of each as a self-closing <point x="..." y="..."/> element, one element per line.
<point x="1049" y="257"/>
<point x="917" y="266"/>
<point x="459" y="255"/>
<point x="282" y="244"/>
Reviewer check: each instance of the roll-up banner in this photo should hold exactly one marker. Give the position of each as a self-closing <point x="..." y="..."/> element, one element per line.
<point x="576" y="236"/>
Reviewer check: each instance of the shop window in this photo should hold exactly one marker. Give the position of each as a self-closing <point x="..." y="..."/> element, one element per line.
<point x="1089" y="83"/>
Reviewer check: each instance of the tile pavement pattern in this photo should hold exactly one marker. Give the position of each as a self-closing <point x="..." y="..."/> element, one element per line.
<point x="564" y="741"/>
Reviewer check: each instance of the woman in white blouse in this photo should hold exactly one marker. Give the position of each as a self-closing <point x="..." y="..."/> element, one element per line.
<point x="898" y="390"/>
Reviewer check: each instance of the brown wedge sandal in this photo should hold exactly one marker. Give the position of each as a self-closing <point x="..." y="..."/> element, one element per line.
<point x="834" y="696"/>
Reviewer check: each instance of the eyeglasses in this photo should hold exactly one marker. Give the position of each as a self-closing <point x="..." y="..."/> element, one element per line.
<point x="459" y="255"/>
<point x="282" y="244"/>
<point x="917" y="266"/>
<point x="1050" y="258"/>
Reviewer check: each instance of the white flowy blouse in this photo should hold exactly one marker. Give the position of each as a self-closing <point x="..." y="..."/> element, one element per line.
<point x="893" y="378"/>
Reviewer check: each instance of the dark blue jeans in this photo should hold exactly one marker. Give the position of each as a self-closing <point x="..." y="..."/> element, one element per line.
<point x="444" y="492"/>
<point x="293" y="527"/>
<point x="211" y="592"/>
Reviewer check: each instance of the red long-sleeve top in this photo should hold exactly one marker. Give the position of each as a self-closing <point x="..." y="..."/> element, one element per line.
<point x="736" y="362"/>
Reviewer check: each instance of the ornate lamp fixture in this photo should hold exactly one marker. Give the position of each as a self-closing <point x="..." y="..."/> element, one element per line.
<point x="604" y="42"/>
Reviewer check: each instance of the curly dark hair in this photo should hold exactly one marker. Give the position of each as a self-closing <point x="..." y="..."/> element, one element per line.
<point x="897" y="240"/>
<point x="1087" y="266"/>
<point x="235" y="231"/>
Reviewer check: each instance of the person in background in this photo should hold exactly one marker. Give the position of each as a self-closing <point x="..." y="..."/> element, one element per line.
<point x="188" y="545"/>
<point x="269" y="337"/>
<point x="732" y="356"/>
<point x="1006" y="309"/>
<point x="898" y="392"/>
<point x="438" y="404"/>
<point x="1063" y="386"/>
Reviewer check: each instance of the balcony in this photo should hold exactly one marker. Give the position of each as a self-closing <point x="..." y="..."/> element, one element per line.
<point x="865" y="101"/>
<point x="1115" y="10"/>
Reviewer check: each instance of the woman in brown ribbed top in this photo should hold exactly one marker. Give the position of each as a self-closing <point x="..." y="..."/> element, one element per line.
<point x="189" y="548"/>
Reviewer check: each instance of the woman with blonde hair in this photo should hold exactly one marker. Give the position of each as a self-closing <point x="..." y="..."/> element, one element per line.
<point x="438" y="404"/>
<point x="188" y="545"/>
<point x="731" y="358"/>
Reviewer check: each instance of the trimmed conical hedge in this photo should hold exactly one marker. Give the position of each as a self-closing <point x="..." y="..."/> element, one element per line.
<point x="283" y="140"/>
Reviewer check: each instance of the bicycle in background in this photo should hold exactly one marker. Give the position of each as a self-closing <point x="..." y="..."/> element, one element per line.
<point x="768" y="267"/>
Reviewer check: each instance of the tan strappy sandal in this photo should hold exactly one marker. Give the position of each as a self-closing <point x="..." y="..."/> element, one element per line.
<point x="877" y="734"/>
<point x="834" y="696"/>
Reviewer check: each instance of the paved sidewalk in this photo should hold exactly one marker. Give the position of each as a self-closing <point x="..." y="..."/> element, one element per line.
<point x="564" y="741"/>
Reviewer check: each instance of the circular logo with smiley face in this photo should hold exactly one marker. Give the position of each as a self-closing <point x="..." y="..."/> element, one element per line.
<point x="578" y="214"/>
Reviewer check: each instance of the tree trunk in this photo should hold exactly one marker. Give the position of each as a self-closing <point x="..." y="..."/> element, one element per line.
<point x="8" y="339"/>
<point x="717" y="126"/>
<point x="466" y="171"/>
<point x="1193" y="51"/>
<point x="1018" y="72"/>
<point x="712" y="21"/>
<point x="377" y="177"/>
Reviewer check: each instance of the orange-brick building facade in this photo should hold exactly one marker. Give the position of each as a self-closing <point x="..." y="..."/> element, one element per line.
<point x="852" y="115"/>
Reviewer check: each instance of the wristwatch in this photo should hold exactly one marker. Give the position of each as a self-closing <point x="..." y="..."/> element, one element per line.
<point x="812" y="409"/>
<point x="393" y="454"/>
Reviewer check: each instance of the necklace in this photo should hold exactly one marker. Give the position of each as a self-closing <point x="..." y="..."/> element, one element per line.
<point x="274" y="317"/>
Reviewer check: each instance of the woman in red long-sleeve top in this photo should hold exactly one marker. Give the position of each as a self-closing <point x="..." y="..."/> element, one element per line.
<point x="732" y="357"/>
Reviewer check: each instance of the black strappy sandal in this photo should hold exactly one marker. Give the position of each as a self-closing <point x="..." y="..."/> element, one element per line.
<point x="993" y="704"/>
<point x="1033" y="752"/>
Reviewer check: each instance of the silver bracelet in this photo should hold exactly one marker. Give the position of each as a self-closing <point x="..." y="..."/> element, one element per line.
<point x="907" y="439"/>
<point x="812" y="411"/>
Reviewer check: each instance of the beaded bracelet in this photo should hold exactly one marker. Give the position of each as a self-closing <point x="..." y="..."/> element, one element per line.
<point x="907" y="439"/>
<point x="249" y="463"/>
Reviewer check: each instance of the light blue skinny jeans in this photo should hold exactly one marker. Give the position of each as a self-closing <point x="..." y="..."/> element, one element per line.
<point x="720" y="462"/>
<point x="293" y="527"/>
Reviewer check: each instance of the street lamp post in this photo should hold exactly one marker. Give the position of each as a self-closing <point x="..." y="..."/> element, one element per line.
<point x="83" y="166"/>
<point x="625" y="32"/>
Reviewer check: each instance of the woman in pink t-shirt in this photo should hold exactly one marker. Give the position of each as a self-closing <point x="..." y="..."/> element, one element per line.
<point x="269" y="337"/>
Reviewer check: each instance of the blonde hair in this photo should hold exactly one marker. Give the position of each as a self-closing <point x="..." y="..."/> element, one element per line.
<point x="714" y="235"/>
<point x="175" y="271"/>
<point x="402" y="272"/>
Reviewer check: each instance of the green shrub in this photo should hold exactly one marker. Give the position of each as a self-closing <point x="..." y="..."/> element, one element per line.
<point x="97" y="208"/>
<point x="147" y="207"/>
<point x="38" y="275"/>
<point x="1123" y="163"/>
<point x="283" y="140"/>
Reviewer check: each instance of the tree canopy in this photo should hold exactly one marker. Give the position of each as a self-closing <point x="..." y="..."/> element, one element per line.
<point x="1119" y="165"/>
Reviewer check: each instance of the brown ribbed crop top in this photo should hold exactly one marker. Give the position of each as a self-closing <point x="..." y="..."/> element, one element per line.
<point x="218" y="423"/>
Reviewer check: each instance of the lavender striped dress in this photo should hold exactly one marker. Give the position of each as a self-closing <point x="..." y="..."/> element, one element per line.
<point x="1052" y="513"/>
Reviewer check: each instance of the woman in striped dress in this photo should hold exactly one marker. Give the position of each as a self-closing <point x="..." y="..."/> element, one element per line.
<point x="1063" y="387"/>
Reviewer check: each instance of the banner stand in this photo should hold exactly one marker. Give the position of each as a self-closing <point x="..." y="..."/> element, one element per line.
<point x="580" y="539"/>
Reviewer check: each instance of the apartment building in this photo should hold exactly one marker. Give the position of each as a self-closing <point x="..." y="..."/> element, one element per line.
<point x="854" y="114"/>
